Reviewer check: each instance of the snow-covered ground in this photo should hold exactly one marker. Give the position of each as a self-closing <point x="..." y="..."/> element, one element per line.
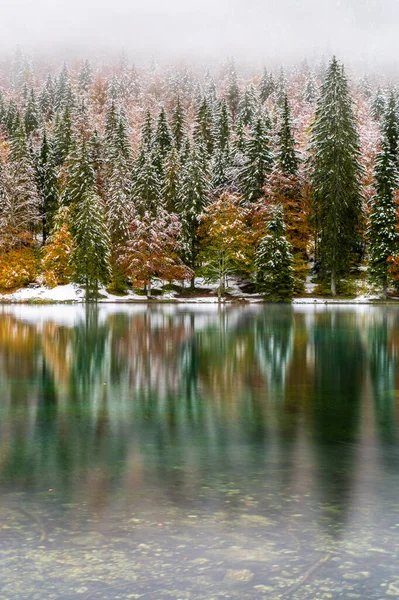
<point x="73" y="293"/>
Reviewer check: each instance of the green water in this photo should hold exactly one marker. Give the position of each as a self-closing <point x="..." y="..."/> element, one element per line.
<point x="172" y="452"/>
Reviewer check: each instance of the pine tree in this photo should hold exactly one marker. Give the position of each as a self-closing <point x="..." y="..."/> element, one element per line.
<point x="266" y="86"/>
<point x="147" y="133"/>
<point x="163" y="135"/>
<point x="222" y="129"/>
<point x="21" y="209"/>
<point x="233" y="90"/>
<point x="81" y="177"/>
<point x="310" y="92"/>
<point x="378" y="105"/>
<point x="85" y="77"/>
<point x="48" y="186"/>
<point x="248" y="105"/>
<point x="336" y="173"/>
<point x="382" y="231"/>
<point x="62" y="90"/>
<point x="390" y="126"/>
<point x="193" y="197"/>
<point x="91" y="254"/>
<point x="178" y="124"/>
<point x="275" y="278"/>
<point x="47" y="98"/>
<point x="287" y="159"/>
<point x="12" y="118"/>
<point x="258" y="163"/>
<point x="172" y="180"/>
<point x="203" y="127"/>
<point x="62" y="136"/>
<point x="147" y="184"/>
<point x="32" y="114"/>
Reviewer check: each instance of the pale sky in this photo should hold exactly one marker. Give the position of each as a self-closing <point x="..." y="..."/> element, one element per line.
<point x="274" y="30"/>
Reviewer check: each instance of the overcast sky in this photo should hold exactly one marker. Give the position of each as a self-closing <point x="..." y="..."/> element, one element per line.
<point x="263" y="30"/>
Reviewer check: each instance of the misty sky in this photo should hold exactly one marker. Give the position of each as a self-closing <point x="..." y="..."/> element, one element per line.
<point x="262" y="30"/>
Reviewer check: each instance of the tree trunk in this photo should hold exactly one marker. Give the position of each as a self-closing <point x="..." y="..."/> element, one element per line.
<point x="385" y="290"/>
<point x="149" y="290"/>
<point x="192" y="283"/>
<point x="333" y="284"/>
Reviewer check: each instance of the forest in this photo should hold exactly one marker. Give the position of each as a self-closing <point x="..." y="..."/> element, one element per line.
<point x="115" y="176"/>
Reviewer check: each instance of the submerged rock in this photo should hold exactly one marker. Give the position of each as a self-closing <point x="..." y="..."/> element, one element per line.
<point x="232" y="577"/>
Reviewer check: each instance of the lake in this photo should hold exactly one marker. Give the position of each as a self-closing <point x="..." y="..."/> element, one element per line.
<point x="199" y="452"/>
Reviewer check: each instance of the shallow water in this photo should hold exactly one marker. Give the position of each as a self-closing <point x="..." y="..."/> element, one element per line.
<point x="171" y="452"/>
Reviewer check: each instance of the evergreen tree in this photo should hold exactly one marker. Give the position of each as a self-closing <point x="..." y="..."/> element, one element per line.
<point x="172" y="180"/>
<point x="203" y="127"/>
<point x="81" y="176"/>
<point x="147" y="184"/>
<point x="178" y="124"/>
<point x="193" y="197"/>
<point x="48" y="186"/>
<point x="47" y="98"/>
<point x="62" y="136"/>
<point x="12" y="119"/>
<point x="266" y="86"/>
<point x="248" y="105"/>
<point x="62" y="90"/>
<point x="163" y="135"/>
<point x="147" y="133"/>
<point x="258" y="162"/>
<point x="336" y="173"/>
<point x="382" y="234"/>
<point x="275" y="273"/>
<point x="21" y="212"/>
<point x="91" y="255"/>
<point x="390" y="126"/>
<point x="32" y="114"/>
<point x="378" y="105"/>
<point x="233" y="90"/>
<point x="85" y="77"/>
<point x="287" y="158"/>
<point x="222" y="130"/>
<point x="310" y="92"/>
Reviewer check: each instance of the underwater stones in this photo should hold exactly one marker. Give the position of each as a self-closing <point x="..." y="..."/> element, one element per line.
<point x="233" y="577"/>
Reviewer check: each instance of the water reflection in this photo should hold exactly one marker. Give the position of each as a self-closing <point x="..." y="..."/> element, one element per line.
<point x="258" y="440"/>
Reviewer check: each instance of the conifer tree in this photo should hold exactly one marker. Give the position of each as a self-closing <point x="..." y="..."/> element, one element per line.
<point x="62" y="136"/>
<point x="335" y="173"/>
<point x="163" y="135"/>
<point x="32" y="114"/>
<point x="287" y="158"/>
<point x="12" y="119"/>
<point x="382" y="231"/>
<point x="147" y="184"/>
<point x="203" y="127"/>
<point x="80" y="177"/>
<point x="48" y="186"/>
<point x="258" y="163"/>
<point x="266" y="86"/>
<point x="233" y="90"/>
<point x="310" y="91"/>
<point x="85" y="77"/>
<point x="378" y="105"/>
<point x="178" y="124"/>
<point x="62" y="90"/>
<point x="222" y="130"/>
<point x="47" y="98"/>
<point x="91" y="255"/>
<point x="390" y="126"/>
<point x="275" y="278"/>
<point x="147" y="133"/>
<point x="21" y="212"/>
<point x="57" y="252"/>
<point x="172" y="180"/>
<point x="248" y="105"/>
<point x="193" y="197"/>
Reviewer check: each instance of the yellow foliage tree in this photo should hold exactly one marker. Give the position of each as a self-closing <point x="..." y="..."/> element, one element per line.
<point x="57" y="252"/>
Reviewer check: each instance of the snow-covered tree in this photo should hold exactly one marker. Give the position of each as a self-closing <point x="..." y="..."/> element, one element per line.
<point x="273" y="260"/>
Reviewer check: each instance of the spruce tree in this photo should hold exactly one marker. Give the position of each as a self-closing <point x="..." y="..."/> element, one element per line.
<point x="275" y="273"/>
<point x="85" y="77"/>
<point x="390" y="126"/>
<point x="163" y="135"/>
<point x="147" y="184"/>
<point x="193" y="197"/>
<point x="336" y="174"/>
<point x="91" y="255"/>
<point x="48" y="186"/>
<point x="287" y="159"/>
<point x="62" y="136"/>
<point x="178" y="124"/>
<point x="32" y="114"/>
<point x="203" y="127"/>
<point x="266" y="86"/>
<point x="378" y="105"/>
<point x="310" y="91"/>
<point x="233" y="90"/>
<point x="248" y="105"/>
<point x="382" y="233"/>
<point x="172" y="180"/>
<point x="258" y="162"/>
<point x="222" y="129"/>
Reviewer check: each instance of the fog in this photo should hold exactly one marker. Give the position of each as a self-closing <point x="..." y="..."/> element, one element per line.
<point x="362" y="31"/>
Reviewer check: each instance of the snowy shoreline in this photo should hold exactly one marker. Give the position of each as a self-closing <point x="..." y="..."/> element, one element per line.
<point x="73" y="294"/>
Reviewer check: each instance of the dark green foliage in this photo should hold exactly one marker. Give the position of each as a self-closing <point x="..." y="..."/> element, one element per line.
<point x="258" y="162"/>
<point x="203" y="127"/>
<point x="48" y="186"/>
<point x="163" y="135"/>
<point x="266" y="86"/>
<point x="336" y="173"/>
<point x="382" y="233"/>
<point x="62" y="136"/>
<point x="178" y="124"/>
<point x="287" y="158"/>
<point x="378" y="105"/>
<point x="275" y="273"/>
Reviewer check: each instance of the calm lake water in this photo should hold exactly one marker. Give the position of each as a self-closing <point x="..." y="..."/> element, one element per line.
<point x="196" y="452"/>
